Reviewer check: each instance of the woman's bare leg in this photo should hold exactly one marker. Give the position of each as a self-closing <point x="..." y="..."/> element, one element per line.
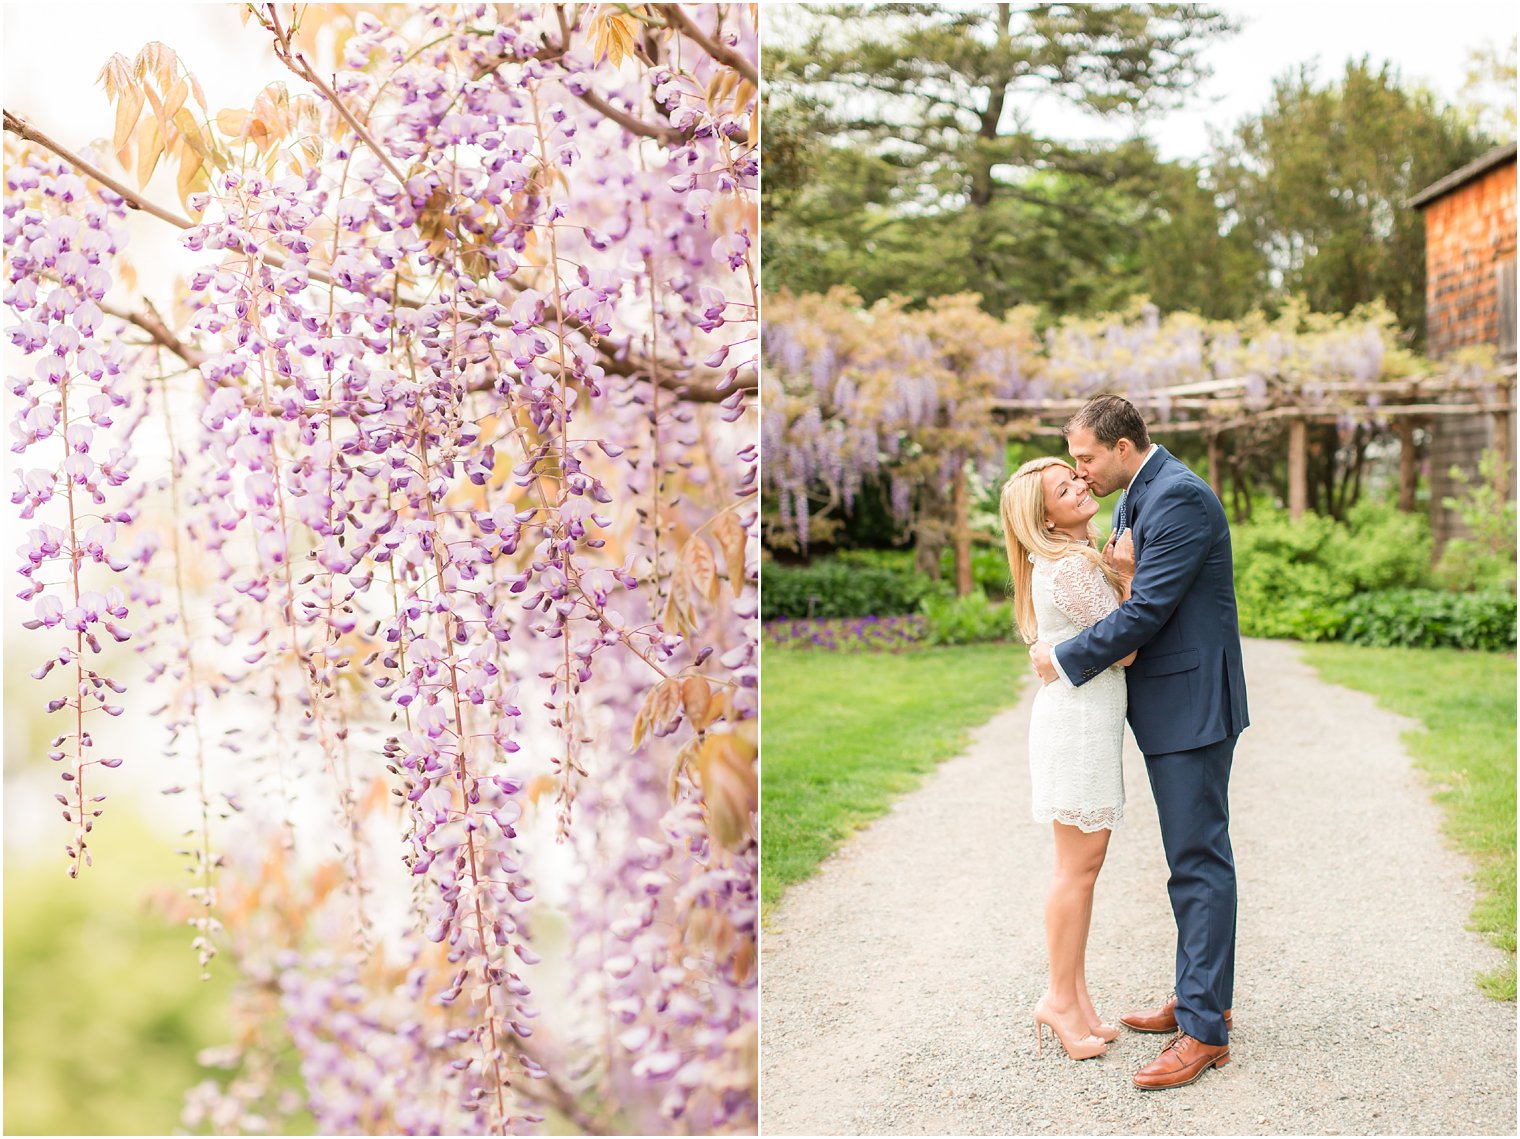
<point x="1084" y="1001"/>
<point x="1068" y="914"/>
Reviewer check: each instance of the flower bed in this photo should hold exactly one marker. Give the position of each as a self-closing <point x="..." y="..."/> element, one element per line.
<point x="849" y="634"/>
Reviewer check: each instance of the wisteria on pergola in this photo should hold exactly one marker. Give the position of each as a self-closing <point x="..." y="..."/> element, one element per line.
<point x="1215" y="408"/>
<point x="918" y="397"/>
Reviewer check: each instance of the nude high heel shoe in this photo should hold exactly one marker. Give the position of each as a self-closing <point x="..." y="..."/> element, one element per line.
<point x="1107" y="1033"/>
<point x="1084" y="1047"/>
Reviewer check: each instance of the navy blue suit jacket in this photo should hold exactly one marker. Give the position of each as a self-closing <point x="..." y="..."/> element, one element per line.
<point x="1187" y="686"/>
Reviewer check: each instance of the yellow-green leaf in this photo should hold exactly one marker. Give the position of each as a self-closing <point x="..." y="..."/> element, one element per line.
<point x="128" y="108"/>
<point x="678" y="617"/>
<point x="192" y="178"/>
<point x="613" y="36"/>
<point x="157" y="59"/>
<point x="730" y="789"/>
<point x="150" y="148"/>
<point x="190" y="131"/>
<point x="232" y="122"/>
<point x="744" y="94"/>
<point x="115" y="75"/>
<point x="732" y="540"/>
<point x="696" y="695"/>
<point x="158" y="108"/>
<point x="701" y="568"/>
<point x="175" y="99"/>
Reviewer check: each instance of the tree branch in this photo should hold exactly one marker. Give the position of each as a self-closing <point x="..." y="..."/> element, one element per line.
<point x="698" y="388"/>
<point x="24" y="129"/>
<point x="151" y="323"/>
<point x="665" y="136"/>
<point x="722" y="53"/>
<point x="293" y="59"/>
<point x="701" y="386"/>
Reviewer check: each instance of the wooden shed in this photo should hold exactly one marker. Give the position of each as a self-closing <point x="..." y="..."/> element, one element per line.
<point x="1470" y="300"/>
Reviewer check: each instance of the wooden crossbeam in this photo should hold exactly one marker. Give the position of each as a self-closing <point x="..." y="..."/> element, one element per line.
<point x="1032" y="426"/>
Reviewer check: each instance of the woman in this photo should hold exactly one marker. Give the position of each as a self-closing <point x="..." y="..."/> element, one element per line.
<point x="1063" y="584"/>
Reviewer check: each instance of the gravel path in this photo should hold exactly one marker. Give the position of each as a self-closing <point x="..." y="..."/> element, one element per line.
<point x="897" y="982"/>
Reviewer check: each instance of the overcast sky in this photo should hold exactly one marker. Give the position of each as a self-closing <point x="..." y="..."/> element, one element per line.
<point x="53" y="53"/>
<point x="1428" y="43"/>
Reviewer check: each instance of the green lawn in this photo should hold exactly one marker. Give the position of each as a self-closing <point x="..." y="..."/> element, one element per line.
<point x="844" y="733"/>
<point x="1466" y="700"/>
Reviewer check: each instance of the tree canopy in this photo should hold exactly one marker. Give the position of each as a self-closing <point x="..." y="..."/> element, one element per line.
<point x="926" y="165"/>
<point x="1319" y="180"/>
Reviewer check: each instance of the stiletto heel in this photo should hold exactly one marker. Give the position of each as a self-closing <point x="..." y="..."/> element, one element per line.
<point x="1084" y="1047"/>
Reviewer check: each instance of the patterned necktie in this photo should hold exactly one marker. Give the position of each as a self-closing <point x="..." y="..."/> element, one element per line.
<point x="1122" y="519"/>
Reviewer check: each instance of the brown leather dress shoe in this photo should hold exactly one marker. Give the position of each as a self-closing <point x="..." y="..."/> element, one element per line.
<point x="1163" y="1019"/>
<point x="1181" y="1062"/>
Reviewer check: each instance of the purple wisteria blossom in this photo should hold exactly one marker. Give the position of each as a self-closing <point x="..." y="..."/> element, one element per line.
<point x="454" y="472"/>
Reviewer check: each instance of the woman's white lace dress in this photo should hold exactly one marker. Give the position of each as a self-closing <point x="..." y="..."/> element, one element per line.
<point x="1075" y="734"/>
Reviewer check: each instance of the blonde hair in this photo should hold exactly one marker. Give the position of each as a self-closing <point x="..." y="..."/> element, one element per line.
<point x="1024" y="533"/>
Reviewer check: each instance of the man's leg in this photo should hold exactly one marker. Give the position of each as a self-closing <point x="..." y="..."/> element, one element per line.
<point x="1192" y="802"/>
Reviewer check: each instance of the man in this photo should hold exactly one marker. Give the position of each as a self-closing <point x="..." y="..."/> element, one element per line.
<point x="1187" y="706"/>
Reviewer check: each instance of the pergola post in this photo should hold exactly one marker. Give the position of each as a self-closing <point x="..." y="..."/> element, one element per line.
<point x="1500" y="444"/>
<point x="1298" y="469"/>
<point x="1216" y="475"/>
<point x="960" y="535"/>
<point x="1409" y="468"/>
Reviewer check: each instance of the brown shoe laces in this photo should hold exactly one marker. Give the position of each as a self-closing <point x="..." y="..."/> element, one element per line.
<point x="1174" y="1042"/>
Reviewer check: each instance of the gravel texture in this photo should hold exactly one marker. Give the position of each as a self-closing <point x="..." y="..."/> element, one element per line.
<point x="897" y="983"/>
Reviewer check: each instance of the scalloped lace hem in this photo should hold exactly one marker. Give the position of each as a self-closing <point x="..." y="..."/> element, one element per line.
<point x="1105" y="818"/>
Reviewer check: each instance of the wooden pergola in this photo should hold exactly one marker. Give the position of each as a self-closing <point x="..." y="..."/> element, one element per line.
<point x="1217" y="407"/>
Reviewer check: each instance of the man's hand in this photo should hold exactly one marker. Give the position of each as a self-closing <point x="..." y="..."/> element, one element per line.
<point x="1039" y="656"/>
<point x="1121" y="554"/>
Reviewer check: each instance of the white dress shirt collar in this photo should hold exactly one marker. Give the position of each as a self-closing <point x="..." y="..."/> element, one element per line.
<point x="1148" y="455"/>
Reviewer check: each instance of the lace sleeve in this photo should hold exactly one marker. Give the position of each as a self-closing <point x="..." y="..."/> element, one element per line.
<point x="1081" y="592"/>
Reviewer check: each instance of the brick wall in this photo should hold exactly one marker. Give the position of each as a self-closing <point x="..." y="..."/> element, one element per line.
<point x="1468" y="234"/>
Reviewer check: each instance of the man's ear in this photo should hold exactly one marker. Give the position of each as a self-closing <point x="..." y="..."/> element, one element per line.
<point x="1123" y="448"/>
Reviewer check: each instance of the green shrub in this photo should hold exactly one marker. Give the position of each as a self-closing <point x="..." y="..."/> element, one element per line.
<point x="1466" y="564"/>
<point x="1383" y="547"/>
<point x="989" y="566"/>
<point x="967" y="620"/>
<point x="897" y="560"/>
<point x="989" y="570"/>
<point x="1293" y="579"/>
<point x="1283" y="586"/>
<point x="1486" y="561"/>
<point x="1431" y="618"/>
<point x="833" y="587"/>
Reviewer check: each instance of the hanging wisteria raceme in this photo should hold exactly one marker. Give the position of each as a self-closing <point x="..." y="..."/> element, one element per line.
<point x="905" y="396"/>
<point x="445" y="573"/>
<point x="74" y="415"/>
<point x="850" y="394"/>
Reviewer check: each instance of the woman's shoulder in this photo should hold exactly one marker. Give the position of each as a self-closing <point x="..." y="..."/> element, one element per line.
<point x="1071" y="560"/>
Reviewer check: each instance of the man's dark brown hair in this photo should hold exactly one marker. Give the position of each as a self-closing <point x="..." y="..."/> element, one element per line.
<point x="1110" y="418"/>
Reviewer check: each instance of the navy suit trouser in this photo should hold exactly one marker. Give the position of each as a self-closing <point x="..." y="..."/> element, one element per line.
<point x="1193" y="804"/>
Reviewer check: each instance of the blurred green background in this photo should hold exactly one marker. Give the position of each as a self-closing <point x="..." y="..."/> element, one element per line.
<point x="104" y="1007"/>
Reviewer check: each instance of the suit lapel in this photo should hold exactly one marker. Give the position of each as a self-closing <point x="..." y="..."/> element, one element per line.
<point x="1143" y="481"/>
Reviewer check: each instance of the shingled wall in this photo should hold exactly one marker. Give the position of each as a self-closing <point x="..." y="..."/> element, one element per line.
<point x="1470" y="299"/>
